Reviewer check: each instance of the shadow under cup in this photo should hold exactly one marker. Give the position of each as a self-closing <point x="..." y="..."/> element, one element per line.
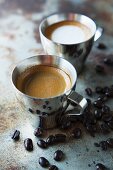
<point x="44" y="111"/>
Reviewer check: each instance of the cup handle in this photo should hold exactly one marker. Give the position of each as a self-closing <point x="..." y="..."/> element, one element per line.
<point x="79" y="100"/>
<point x="98" y="33"/>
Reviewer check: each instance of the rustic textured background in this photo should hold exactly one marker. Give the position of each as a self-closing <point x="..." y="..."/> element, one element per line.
<point x="19" y="39"/>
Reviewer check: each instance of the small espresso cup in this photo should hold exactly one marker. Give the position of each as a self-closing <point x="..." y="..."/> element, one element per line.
<point x="75" y="53"/>
<point x="45" y="112"/>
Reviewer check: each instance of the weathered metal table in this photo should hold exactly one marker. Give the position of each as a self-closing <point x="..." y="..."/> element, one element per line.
<point x="19" y="39"/>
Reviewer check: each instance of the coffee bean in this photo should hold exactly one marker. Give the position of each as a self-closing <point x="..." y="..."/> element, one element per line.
<point x="43" y="162"/>
<point x="106" y="89"/>
<point x="42" y="144"/>
<point x="49" y="108"/>
<point x="105" y="109"/>
<point x="107" y="117"/>
<point x="99" y="90"/>
<point x="104" y="128"/>
<point x="46" y="102"/>
<point x="53" y="167"/>
<point x="60" y="138"/>
<point x="110" y="142"/>
<point x="50" y="140"/>
<point x="100" y="166"/>
<point x="108" y="61"/>
<point x="89" y="102"/>
<point x="38" y="132"/>
<point x="102" y="98"/>
<point x="99" y="104"/>
<point x="16" y="135"/>
<point x="97" y="144"/>
<point x="99" y="69"/>
<point x="77" y="133"/>
<point x="98" y="114"/>
<point x="58" y="155"/>
<point x="30" y="110"/>
<point x="38" y="112"/>
<point x="28" y="144"/>
<point x="110" y="124"/>
<point x="89" y="91"/>
<point x="91" y="129"/>
<point x="111" y="92"/>
<point x="101" y="46"/>
<point x="103" y="145"/>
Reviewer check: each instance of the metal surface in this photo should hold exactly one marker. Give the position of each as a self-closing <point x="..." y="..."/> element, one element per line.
<point x="75" y="53"/>
<point x="19" y="39"/>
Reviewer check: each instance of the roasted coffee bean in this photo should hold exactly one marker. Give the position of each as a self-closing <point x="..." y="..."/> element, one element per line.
<point x="38" y="112"/>
<point x="103" y="98"/>
<point x="89" y="102"/>
<point x="99" y="69"/>
<point x="99" y="104"/>
<point x="28" y="144"/>
<point x="101" y="46"/>
<point x="107" y="117"/>
<point x="97" y="144"/>
<point x="58" y="155"/>
<point x="30" y="110"/>
<point x="89" y="91"/>
<point x="104" y="128"/>
<point x="77" y="133"/>
<point x="53" y="167"/>
<point x="100" y="166"/>
<point x="60" y="138"/>
<point x="108" y="61"/>
<point x="38" y="132"/>
<point x="103" y="145"/>
<point x="111" y="92"/>
<point x="50" y="140"/>
<point x="49" y="108"/>
<point x="16" y="135"/>
<point x="110" y="124"/>
<point x="105" y="109"/>
<point x="43" y="162"/>
<point x="98" y="114"/>
<point x="46" y="102"/>
<point x="110" y="142"/>
<point x="42" y="144"/>
<point x="106" y="89"/>
<point x="99" y="90"/>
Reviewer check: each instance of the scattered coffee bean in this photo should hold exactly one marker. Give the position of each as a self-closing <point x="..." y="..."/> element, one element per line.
<point x="100" y="166"/>
<point x="107" y="117"/>
<point x="28" y="144"/>
<point x="89" y="102"/>
<point x="97" y="144"/>
<point x="101" y="46"/>
<point x="46" y="102"/>
<point x="58" y="155"/>
<point x="98" y="114"/>
<point x="103" y="145"/>
<point x="99" y="90"/>
<point x="99" y="104"/>
<point x="104" y="128"/>
<point x="89" y="91"/>
<point x="110" y="124"/>
<point x="43" y="162"/>
<point x="30" y="110"/>
<point x="77" y="133"/>
<point x="108" y="61"/>
<point x="42" y="144"/>
<point x="16" y="135"/>
<point x="106" y="89"/>
<point x="53" y="167"/>
<point x="110" y="142"/>
<point x="38" y="112"/>
<point x="49" y="108"/>
<point x="99" y="69"/>
<point x="50" y="140"/>
<point x="105" y="109"/>
<point x="60" y="138"/>
<point x="38" y="132"/>
<point x="103" y="98"/>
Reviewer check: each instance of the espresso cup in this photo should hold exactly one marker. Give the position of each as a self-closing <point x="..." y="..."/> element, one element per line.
<point x="46" y="112"/>
<point x="76" y="53"/>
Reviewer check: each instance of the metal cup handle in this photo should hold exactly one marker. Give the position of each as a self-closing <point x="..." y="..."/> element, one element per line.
<point x="79" y="100"/>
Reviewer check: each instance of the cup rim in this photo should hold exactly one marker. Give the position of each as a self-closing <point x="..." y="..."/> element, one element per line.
<point x="38" y="98"/>
<point x="68" y="13"/>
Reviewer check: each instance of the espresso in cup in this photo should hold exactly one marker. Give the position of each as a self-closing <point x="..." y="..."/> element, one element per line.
<point x="43" y="81"/>
<point x="68" y="32"/>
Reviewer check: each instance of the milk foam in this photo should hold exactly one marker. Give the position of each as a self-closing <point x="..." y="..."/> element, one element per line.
<point x="70" y="34"/>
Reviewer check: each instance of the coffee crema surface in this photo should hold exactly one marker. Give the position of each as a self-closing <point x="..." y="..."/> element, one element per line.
<point x="68" y="32"/>
<point x="43" y="81"/>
